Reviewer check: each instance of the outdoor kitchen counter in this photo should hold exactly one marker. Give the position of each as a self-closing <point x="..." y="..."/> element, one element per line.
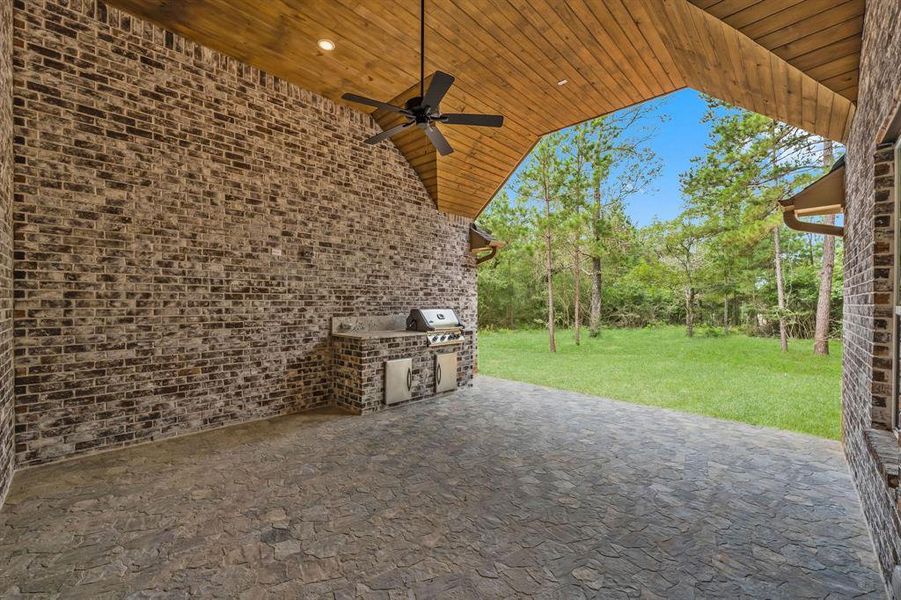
<point x="378" y="334"/>
<point x="358" y="365"/>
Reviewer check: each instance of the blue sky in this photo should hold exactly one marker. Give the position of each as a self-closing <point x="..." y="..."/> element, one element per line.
<point x="675" y="142"/>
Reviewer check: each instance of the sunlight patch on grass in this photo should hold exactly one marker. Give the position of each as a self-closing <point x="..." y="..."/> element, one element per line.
<point x="733" y="377"/>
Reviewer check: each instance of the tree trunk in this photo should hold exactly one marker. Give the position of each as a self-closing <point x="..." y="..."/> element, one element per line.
<point x="549" y="267"/>
<point x="780" y="289"/>
<point x="725" y="314"/>
<point x="596" y="283"/>
<point x="777" y="262"/>
<point x="594" y="319"/>
<point x="824" y="299"/>
<point x="689" y="311"/>
<point x="577" y="301"/>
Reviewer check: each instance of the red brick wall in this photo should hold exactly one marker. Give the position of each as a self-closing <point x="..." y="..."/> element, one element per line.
<point x="865" y="345"/>
<point x="185" y="227"/>
<point x="6" y="201"/>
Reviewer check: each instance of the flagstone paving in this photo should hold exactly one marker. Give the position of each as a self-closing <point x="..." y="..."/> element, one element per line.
<point x="502" y="490"/>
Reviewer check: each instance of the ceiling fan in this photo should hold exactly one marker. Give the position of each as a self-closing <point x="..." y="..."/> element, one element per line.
<point x="424" y="110"/>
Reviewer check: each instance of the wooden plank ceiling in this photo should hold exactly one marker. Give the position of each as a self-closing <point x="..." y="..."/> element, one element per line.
<point x="795" y="60"/>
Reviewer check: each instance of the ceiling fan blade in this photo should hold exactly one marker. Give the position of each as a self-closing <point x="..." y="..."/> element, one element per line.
<point x="441" y="82"/>
<point x="477" y="120"/>
<point x="437" y="138"/>
<point x="375" y="103"/>
<point x="388" y="133"/>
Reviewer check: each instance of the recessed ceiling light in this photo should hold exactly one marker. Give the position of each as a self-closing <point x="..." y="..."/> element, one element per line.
<point x="563" y="82"/>
<point x="327" y="45"/>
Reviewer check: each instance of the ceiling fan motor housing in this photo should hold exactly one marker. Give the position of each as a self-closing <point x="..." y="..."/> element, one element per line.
<point x="421" y="113"/>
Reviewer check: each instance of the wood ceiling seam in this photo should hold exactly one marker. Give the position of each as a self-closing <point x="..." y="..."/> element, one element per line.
<point x="790" y="14"/>
<point x="794" y="91"/>
<point x="531" y="51"/>
<point x="553" y="42"/>
<point x="824" y="109"/>
<point x="837" y="66"/>
<point x="851" y="27"/>
<point x="550" y="91"/>
<point x="849" y="121"/>
<point x="472" y="189"/>
<point x="671" y="21"/>
<point x="739" y="11"/>
<point x="758" y="12"/>
<point x="809" y="104"/>
<point x="837" y="118"/>
<point x="721" y="9"/>
<point x="816" y="22"/>
<point x="843" y="80"/>
<point x="705" y="4"/>
<point x="474" y="164"/>
<point x="703" y="24"/>
<point x="455" y="197"/>
<point x="827" y="53"/>
<point x="632" y="57"/>
<point x="654" y="38"/>
<point x="571" y="71"/>
<point x="629" y="27"/>
<point x="849" y="92"/>
<point x="659" y="21"/>
<point x="754" y="74"/>
<point x="633" y="86"/>
<point x="481" y="168"/>
<point x="780" y="88"/>
<point x="710" y="67"/>
<point x="500" y="147"/>
<point x="739" y="81"/>
<point x="461" y="208"/>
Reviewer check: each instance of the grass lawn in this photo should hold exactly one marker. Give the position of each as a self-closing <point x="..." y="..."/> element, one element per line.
<point x="733" y="377"/>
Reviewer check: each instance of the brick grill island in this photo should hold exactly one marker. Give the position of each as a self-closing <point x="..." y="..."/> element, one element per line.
<point x="362" y="349"/>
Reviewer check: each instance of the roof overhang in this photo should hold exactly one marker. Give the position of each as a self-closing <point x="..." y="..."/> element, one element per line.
<point x="825" y="196"/>
<point x="793" y="61"/>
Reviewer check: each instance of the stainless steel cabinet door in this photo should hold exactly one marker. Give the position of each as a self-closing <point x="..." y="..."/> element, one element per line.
<point x="398" y="380"/>
<point x="445" y="372"/>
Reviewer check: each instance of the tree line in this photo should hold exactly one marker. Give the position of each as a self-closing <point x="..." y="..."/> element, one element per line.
<point x="726" y="262"/>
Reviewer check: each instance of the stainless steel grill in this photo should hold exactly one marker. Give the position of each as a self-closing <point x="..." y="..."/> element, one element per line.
<point x="441" y="325"/>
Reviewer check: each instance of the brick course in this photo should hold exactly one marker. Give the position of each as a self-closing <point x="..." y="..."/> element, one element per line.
<point x="185" y="228"/>
<point x="865" y="345"/>
<point x="6" y="294"/>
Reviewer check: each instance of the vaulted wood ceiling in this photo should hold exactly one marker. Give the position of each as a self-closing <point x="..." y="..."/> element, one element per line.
<point x="795" y="60"/>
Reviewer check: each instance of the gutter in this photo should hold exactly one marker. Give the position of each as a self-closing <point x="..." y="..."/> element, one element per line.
<point x="825" y="196"/>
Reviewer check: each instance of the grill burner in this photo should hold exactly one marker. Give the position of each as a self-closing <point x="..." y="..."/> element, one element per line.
<point x="441" y="325"/>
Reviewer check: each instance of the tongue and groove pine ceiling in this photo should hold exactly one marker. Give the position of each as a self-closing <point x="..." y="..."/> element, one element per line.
<point x="794" y="60"/>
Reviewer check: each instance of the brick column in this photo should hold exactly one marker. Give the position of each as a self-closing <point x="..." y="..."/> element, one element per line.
<point x="883" y="276"/>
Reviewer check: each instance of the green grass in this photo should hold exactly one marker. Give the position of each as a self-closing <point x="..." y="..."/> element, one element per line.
<point x="733" y="377"/>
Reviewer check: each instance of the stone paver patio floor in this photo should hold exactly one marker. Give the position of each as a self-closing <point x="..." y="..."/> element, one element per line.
<point x="503" y="490"/>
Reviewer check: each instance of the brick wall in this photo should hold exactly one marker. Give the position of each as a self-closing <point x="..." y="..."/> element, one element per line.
<point x="185" y="227"/>
<point x="6" y="201"/>
<point x="880" y="91"/>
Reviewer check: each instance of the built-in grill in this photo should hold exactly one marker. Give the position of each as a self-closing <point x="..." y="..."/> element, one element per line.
<point x="441" y="325"/>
